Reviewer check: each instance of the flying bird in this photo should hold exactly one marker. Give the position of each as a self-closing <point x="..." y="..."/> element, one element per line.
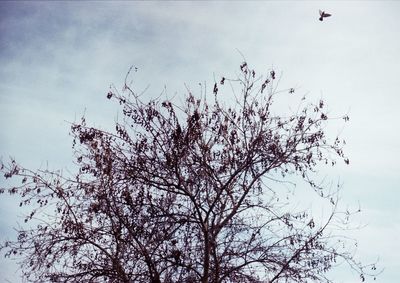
<point x="323" y="15"/>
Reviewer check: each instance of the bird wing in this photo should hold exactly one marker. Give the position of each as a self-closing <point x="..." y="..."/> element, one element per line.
<point x="326" y="15"/>
<point x="320" y="12"/>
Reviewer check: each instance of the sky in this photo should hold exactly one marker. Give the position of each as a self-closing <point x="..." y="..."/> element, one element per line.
<point x="58" y="60"/>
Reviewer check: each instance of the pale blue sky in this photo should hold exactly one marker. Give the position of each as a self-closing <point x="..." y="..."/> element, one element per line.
<point x="57" y="60"/>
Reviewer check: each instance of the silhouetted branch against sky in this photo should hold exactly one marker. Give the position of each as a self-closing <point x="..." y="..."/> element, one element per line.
<point x="187" y="193"/>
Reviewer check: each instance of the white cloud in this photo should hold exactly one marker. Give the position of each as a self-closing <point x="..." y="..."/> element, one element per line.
<point x="59" y="58"/>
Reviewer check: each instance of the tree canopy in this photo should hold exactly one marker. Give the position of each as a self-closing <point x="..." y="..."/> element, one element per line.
<point x="186" y="192"/>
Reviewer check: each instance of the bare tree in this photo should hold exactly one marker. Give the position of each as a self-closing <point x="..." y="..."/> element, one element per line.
<point x="185" y="193"/>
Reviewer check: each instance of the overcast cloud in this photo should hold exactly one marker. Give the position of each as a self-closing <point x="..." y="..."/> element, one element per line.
<point x="58" y="59"/>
